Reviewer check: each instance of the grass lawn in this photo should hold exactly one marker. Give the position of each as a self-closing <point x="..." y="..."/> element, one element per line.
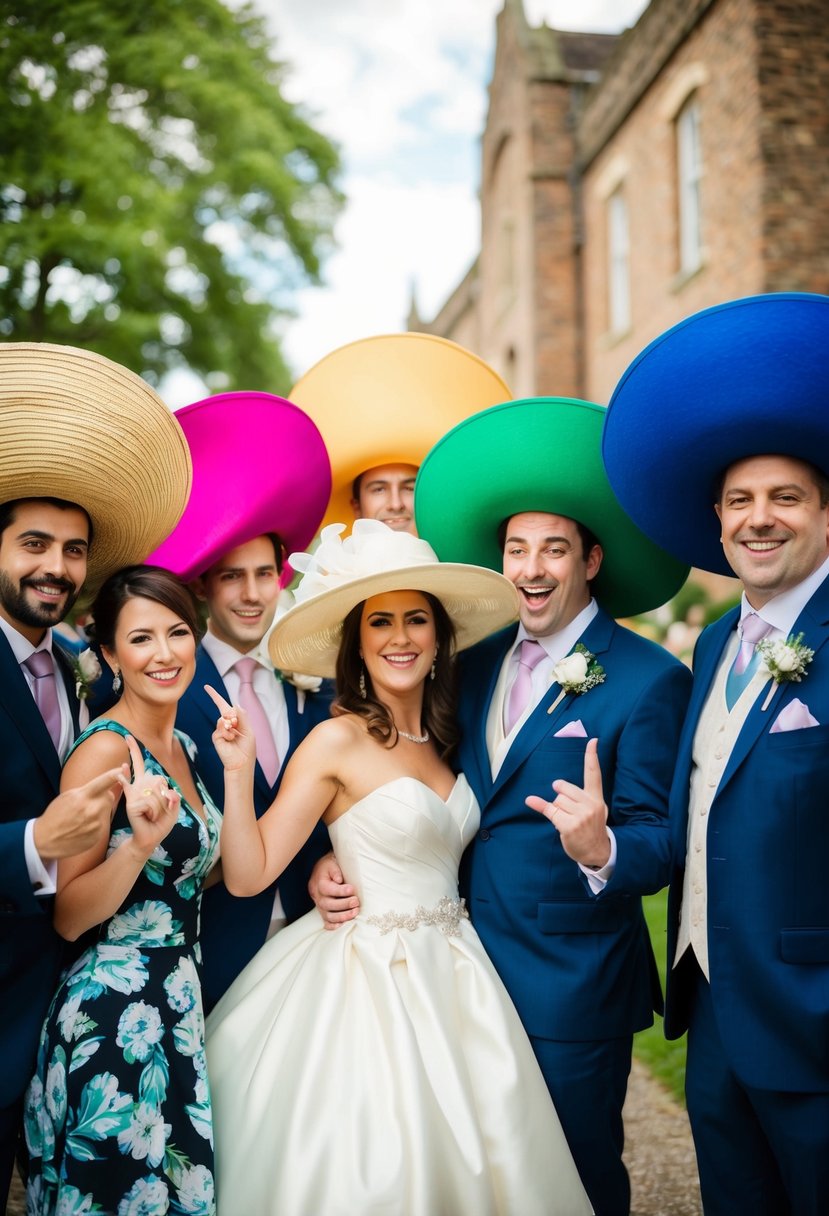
<point x="665" y="1060"/>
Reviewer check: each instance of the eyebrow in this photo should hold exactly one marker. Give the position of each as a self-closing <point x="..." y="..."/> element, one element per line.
<point x="547" y="540"/>
<point x="148" y="629"/>
<point x="35" y="534"/>
<point x="788" y="485"/>
<point x="242" y="569"/>
<point x="390" y="612"/>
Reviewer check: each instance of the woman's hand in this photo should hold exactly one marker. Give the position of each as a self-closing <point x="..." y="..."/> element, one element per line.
<point x="152" y="806"/>
<point x="233" y="738"/>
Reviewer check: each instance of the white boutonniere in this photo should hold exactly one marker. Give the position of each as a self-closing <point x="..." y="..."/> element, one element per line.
<point x="785" y="661"/>
<point x="303" y="683"/>
<point x="87" y="670"/>
<point x="577" y="673"/>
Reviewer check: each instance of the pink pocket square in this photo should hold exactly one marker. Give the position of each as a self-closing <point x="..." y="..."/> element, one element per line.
<point x="795" y="716"/>
<point x="573" y="730"/>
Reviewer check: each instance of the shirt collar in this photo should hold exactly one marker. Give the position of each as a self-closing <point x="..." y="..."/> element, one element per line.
<point x="782" y="610"/>
<point x="225" y="656"/>
<point x="21" y="647"/>
<point x="559" y="644"/>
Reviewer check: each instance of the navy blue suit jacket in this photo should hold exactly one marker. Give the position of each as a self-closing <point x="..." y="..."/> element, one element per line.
<point x="577" y="966"/>
<point x="30" y="950"/>
<point x="233" y="929"/>
<point x="768" y="895"/>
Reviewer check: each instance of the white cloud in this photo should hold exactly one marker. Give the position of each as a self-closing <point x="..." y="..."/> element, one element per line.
<point x="401" y="86"/>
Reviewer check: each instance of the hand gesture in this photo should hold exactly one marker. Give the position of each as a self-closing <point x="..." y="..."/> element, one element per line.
<point x="77" y="818"/>
<point x="579" y="813"/>
<point x="233" y="738"/>
<point x="336" y="900"/>
<point x="152" y="806"/>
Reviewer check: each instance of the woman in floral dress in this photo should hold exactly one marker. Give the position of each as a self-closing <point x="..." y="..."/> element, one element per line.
<point x="118" y="1115"/>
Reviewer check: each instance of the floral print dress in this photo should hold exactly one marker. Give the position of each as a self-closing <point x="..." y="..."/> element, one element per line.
<point x="118" y="1116"/>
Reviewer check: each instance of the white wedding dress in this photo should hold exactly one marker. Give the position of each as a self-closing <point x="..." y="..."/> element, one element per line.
<point x="380" y="1069"/>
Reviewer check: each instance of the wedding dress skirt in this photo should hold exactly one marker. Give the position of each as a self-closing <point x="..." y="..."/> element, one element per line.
<point x="380" y="1069"/>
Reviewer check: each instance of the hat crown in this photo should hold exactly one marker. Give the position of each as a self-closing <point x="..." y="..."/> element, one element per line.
<point x="372" y="548"/>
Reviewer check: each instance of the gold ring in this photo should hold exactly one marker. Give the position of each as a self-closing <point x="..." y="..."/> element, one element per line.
<point x="146" y="791"/>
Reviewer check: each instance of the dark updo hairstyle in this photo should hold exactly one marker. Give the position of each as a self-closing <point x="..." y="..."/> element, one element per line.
<point x="439" y="695"/>
<point x="148" y="583"/>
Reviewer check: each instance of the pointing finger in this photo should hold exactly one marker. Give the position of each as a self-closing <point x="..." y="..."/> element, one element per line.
<point x="136" y="757"/>
<point x="593" y="770"/>
<point x="224" y="707"/>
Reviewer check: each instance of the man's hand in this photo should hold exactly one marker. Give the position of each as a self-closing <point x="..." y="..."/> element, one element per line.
<point x="579" y="814"/>
<point x="76" y="819"/>
<point x="336" y="901"/>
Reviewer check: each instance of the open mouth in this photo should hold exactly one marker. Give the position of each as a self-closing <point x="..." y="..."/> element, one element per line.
<point x="401" y="660"/>
<point x="165" y="677"/>
<point x="761" y="546"/>
<point x="536" y="597"/>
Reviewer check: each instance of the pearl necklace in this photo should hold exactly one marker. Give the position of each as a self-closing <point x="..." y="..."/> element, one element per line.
<point x="413" y="738"/>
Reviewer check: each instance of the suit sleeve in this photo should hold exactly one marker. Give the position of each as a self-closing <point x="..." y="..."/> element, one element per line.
<point x="17" y="896"/>
<point x="645" y="757"/>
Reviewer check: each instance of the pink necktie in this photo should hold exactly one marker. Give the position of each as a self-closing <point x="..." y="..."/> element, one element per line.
<point x="41" y="666"/>
<point x="752" y="631"/>
<point x="532" y="653"/>
<point x="249" y="700"/>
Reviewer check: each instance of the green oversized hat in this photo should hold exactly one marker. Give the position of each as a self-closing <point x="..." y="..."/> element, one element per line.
<point x="538" y="454"/>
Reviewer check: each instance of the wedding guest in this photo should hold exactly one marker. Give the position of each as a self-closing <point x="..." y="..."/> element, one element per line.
<point x="65" y="522"/>
<point x="380" y="404"/>
<point x="743" y="486"/>
<point x="118" y="1113"/>
<point x="408" y="1083"/>
<point x="270" y="461"/>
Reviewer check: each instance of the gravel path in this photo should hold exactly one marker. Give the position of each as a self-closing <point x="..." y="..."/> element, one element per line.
<point x="659" y="1154"/>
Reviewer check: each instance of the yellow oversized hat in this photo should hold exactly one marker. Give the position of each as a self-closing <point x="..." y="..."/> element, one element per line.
<point x="388" y="400"/>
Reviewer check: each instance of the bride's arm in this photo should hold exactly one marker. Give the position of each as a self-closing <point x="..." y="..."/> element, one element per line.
<point x="256" y="851"/>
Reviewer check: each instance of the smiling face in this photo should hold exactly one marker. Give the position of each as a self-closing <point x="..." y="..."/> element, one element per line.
<point x="544" y="557"/>
<point x="241" y="591"/>
<point x="397" y="640"/>
<point x="775" y="531"/>
<point x="154" y="649"/>
<point x="387" y="493"/>
<point x="43" y="558"/>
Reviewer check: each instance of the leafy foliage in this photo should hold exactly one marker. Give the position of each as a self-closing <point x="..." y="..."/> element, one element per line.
<point x="159" y="196"/>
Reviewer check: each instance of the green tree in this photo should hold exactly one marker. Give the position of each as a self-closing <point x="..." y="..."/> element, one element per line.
<point x="159" y="197"/>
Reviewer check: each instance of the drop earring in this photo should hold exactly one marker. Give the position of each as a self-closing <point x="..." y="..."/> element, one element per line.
<point x="434" y="664"/>
<point x="117" y="682"/>
<point x="363" y="683"/>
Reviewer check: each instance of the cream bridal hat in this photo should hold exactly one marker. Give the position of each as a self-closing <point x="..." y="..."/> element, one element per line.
<point x="373" y="560"/>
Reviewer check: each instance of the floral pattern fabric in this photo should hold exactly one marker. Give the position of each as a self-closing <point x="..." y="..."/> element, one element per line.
<point x="118" y="1116"/>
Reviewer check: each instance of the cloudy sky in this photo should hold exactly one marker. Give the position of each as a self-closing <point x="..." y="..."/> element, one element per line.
<point x="401" y="86"/>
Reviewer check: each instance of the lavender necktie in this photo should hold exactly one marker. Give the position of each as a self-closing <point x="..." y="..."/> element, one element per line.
<point x="266" y="752"/>
<point x="532" y="653"/>
<point x="752" y="630"/>
<point x="42" y="668"/>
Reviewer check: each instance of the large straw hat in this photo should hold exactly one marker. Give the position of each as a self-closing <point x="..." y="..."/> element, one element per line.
<point x="745" y="378"/>
<point x="342" y="573"/>
<point x="387" y="399"/>
<point x="538" y="454"/>
<point x="77" y="426"/>
<point x="259" y="465"/>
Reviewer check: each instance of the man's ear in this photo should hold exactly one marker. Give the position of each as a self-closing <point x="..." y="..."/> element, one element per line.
<point x="594" y="561"/>
<point x="196" y="585"/>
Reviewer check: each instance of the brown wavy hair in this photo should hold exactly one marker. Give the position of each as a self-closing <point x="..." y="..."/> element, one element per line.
<point x="439" y="695"/>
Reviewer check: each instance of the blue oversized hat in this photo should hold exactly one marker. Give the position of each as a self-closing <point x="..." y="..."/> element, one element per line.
<point x="746" y="378"/>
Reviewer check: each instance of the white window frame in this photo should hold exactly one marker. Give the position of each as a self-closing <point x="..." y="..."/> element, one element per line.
<point x="689" y="186"/>
<point x="618" y="262"/>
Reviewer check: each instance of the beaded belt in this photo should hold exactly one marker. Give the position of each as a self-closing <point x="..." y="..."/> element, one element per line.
<point x="446" y="916"/>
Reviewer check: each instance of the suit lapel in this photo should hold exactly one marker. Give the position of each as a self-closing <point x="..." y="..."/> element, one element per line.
<point x="67" y="673"/>
<point x="542" y="723"/>
<point x="18" y="702"/>
<point x="813" y="623"/>
<point x="208" y="673"/>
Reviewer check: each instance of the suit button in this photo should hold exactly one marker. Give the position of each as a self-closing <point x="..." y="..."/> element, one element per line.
<point x="484" y="834"/>
<point x="6" y="907"/>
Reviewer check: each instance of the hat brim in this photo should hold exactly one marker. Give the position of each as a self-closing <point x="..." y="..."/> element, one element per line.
<point x="746" y="378"/>
<point x="307" y="639"/>
<point x="76" y="426"/>
<point x="259" y="465"/>
<point x="538" y="454"/>
<point x="387" y="399"/>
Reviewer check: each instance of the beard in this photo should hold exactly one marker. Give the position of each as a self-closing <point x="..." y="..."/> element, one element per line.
<point x="36" y="615"/>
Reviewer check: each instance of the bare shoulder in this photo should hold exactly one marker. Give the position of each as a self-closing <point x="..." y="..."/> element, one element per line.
<point x="104" y="750"/>
<point x="337" y="735"/>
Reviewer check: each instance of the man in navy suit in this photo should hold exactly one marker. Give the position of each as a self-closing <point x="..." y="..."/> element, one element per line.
<point x="558" y="907"/>
<point x="241" y="590"/>
<point x="748" y="939"/>
<point x="261" y="483"/>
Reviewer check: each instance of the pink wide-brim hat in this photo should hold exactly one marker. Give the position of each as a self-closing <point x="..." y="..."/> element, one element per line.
<point x="259" y="465"/>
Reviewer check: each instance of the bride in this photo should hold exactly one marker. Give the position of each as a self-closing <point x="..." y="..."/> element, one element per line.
<point x="380" y="1068"/>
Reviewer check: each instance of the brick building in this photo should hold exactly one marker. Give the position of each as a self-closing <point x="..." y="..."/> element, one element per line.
<point x="627" y="181"/>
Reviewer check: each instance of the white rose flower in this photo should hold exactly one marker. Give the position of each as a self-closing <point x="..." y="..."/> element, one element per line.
<point x="787" y="659"/>
<point x="89" y="666"/>
<point x="571" y="670"/>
